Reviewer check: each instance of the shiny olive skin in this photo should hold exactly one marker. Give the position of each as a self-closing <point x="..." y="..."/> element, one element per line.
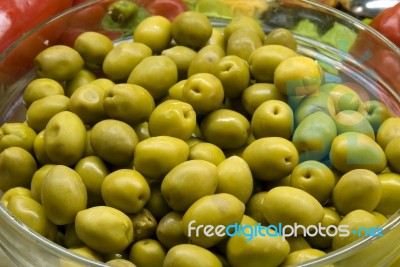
<point x="101" y="139"/>
<point x="235" y="178"/>
<point x="71" y="240"/>
<point x="104" y="229"/>
<point x="17" y="134"/>
<point x="103" y="83"/>
<point x="175" y="92"/>
<point x="58" y="62"/>
<point x="120" y="263"/>
<point x="32" y="214"/>
<point x="39" y="88"/>
<point x="234" y="74"/>
<point x="185" y="183"/>
<point x="255" y="206"/>
<point x="147" y="253"/>
<point x="129" y="103"/>
<point x="316" y="102"/>
<point x="157" y="85"/>
<point x="315" y="178"/>
<point x="37" y="180"/>
<point x="83" y="77"/>
<point x="344" y="98"/>
<point x="144" y="224"/>
<point x="206" y="60"/>
<point x="169" y="230"/>
<point x="173" y="118"/>
<point x="126" y="190"/>
<point x="63" y="194"/>
<point x="376" y="113"/>
<point x="207" y="151"/>
<point x="123" y="58"/>
<point x="204" y="92"/>
<point x="242" y="43"/>
<point x="314" y="135"/>
<point x="155" y="32"/>
<point x="93" y="47"/>
<point x="17" y="167"/>
<point x="389" y="129"/>
<point x="92" y="170"/>
<point x="281" y="36"/>
<point x="298" y="76"/>
<point x="15" y="191"/>
<point x="41" y="111"/>
<point x="297" y="243"/>
<point x="165" y="152"/>
<point x="301" y="256"/>
<point x="276" y="154"/>
<point x="243" y="22"/>
<point x="264" y="60"/>
<point x="272" y="118"/>
<point x="256" y="94"/>
<point x="389" y="202"/>
<point x="217" y="209"/>
<point x="39" y="149"/>
<point x="392" y="154"/>
<point x="353" y="121"/>
<point x="226" y="128"/>
<point x="65" y="138"/>
<point x="351" y="151"/>
<point x="182" y="29"/>
<point x="189" y="255"/>
<point x="156" y="203"/>
<point x="87" y="103"/>
<point x="182" y="56"/>
<point x="306" y="210"/>
<point x="87" y="253"/>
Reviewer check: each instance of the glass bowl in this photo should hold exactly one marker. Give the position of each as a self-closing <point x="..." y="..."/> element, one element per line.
<point x="349" y="51"/>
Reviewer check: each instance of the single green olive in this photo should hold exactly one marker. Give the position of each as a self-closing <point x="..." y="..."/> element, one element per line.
<point x="155" y="32"/>
<point x="182" y="56"/>
<point x="281" y="36"/>
<point x="257" y="93"/>
<point x="83" y="77"/>
<point x="18" y="190"/>
<point x="147" y="253"/>
<point x="17" y="134"/>
<point x="206" y="60"/>
<point x="39" y="88"/>
<point x="40" y="151"/>
<point x="169" y="230"/>
<point x="156" y="203"/>
<point x="206" y="151"/>
<point x="37" y="180"/>
<point x="390" y="200"/>
<point x="189" y="255"/>
<point x="144" y="224"/>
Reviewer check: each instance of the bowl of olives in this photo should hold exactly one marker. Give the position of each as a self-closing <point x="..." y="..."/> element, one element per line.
<point x="230" y="133"/>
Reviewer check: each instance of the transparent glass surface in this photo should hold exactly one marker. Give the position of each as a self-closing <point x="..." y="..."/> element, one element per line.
<point x="351" y="60"/>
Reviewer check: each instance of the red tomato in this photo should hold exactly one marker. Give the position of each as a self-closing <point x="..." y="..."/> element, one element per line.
<point x="166" y="8"/>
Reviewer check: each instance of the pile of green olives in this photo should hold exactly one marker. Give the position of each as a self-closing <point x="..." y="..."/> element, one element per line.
<point x="128" y="145"/>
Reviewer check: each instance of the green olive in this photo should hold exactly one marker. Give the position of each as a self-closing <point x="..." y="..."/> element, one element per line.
<point x="182" y="29"/>
<point x="298" y="76"/>
<point x="173" y="118"/>
<point x="213" y="210"/>
<point x="144" y="224"/>
<point x="352" y="150"/>
<point x="297" y="243"/>
<point x="303" y="255"/>
<point x="103" y="83"/>
<point x="255" y="207"/>
<point x="169" y="230"/>
<point x="242" y="42"/>
<point x="264" y="60"/>
<point x="157" y="204"/>
<point x="217" y="38"/>
<point x="83" y="77"/>
<point x="185" y="183"/>
<point x="17" y="167"/>
<point x="204" y="92"/>
<point x="87" y="253"/>
<point x="41" y="111"/>
<point x="63" y="194"/>
<point x="93" y="47"/>
<point x="281" y="36"/>
<point x="234" y="74"/>
<point x="226" y="128"/>
<point x="207" y="151"/>
<point x="389" y="202"/>
<point x="175" y="92"/>
<point x="39" y="88"/>
<point x="71" y="239"/>
<point x="182" y="56"/>
<point x="275" y="154"/>
<point x="129" y="103"/>
<point x="305" y="209"/>
<point x="58" y="62"/>
<point x="17" y="134"/>
<point x="272" y="118"/>
<point x="102" y="140"/>
<point x="189" y="255"/>
<point x="376" y="113"/>
<point x="344" y="98"/>
<point x="126" y="190"/>
<point x="157" y="85"/>
<point x="104" y="229"/>
<point x="155" y="32"/>
<point x="120" y="263"/>
<point x="353" y="121"/>
<point x="142" y="130"/>
<point x="206" y="60"/>
<point x="87" y="103"/>
<point x="243" y="22"/>
<point x="15" y="191"/>
<point x="65" y="138"/>
<point x="37" y="180"/>
<point x="147" y="253"/>
<point x="123" y="58"/>
<point x="389" y="129"/>
<point x="235" y="178"/>
<point x="315" y="178"/>
<point x="256" y="94"/>
<point x="39" y="149"/>
<point x="156" y="156"/>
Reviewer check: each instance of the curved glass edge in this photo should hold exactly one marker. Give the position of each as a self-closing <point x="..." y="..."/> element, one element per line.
<point x="35" y="250"/>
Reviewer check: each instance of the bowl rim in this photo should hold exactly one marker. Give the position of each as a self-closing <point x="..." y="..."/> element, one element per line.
<point x="332" y="257"/>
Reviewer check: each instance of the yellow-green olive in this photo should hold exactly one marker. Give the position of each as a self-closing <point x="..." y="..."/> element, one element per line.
<point x="155" y="32"/>
<point x="39" y="88"/>
<point x="17" y="134"/>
